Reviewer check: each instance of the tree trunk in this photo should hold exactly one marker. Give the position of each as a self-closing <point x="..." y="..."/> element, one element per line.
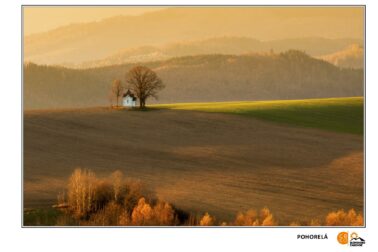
<point x="117" y="101"/>
<point x="140" y="103"/>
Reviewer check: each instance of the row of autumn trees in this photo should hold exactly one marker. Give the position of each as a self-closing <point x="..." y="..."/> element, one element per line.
<point x="141" y="81"/>
<point x="116" y="200"/>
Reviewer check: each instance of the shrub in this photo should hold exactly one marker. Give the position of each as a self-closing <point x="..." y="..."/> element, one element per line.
<point x="142" y="214"/>
<point x="294" y="224"/>
<point x="164" y="214"/>
<point x="247" y="219"/>
<point x="266" y="218"/>
<point x="251" y="218"/>
<point x="207" y="220"/>
<point x="314" y="222"/>
<point x="342" y="218"/>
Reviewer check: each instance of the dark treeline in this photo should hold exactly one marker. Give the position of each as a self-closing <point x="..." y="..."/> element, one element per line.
<point x="203" y="78"/>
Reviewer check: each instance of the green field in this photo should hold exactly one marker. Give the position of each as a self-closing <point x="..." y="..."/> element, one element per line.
<point x="41" y="217"/>
<point x="335" y="114"/>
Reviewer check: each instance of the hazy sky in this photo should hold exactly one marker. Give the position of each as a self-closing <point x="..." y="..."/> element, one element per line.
<point x="99" y="39"/>
<point x="40" y="19"/>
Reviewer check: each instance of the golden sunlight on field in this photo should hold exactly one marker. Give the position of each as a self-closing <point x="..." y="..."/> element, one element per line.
<point x="199" y="162"/>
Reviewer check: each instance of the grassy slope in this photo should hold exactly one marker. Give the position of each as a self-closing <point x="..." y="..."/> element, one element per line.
<point x="335" y="114"/>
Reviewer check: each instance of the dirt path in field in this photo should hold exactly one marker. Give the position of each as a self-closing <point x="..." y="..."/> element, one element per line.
<point x="201" y="162"/>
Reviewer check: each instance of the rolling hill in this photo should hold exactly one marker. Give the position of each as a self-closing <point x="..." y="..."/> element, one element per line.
<point x="81" y="42"/>
<point x="334" y="114"/>
<point x="200" y="162"/>
<point x="203" y="78"/>
<point x="220" y="45"/>
<point x="350" y="57"/>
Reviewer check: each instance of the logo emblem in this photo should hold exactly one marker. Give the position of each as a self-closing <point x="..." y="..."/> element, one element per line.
<point x="342" y="238"/>
<point x="355" y="240"/>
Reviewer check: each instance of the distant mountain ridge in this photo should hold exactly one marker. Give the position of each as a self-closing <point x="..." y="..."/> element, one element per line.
<point x="77" y="43"/>
<point x="202" y="78"/>
<point x="219" y="45"/>
<point x="350" y="57"/>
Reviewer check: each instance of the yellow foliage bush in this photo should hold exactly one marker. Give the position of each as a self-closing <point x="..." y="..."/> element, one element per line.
<point x="251" y="218"/>
<point x="207" y="220"/>
<point x="162" y="214"/>
<point x="314" y="222"/>
<point x="294" y="224"/>
<point x="342" y="218"/>
<point x="142" y="214"/>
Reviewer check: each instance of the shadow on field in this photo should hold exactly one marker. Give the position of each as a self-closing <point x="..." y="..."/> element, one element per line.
<point x="196" y="160"/>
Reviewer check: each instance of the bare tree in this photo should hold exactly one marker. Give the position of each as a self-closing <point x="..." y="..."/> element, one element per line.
<point x="117" y="178"/>
<point x="117" y="89"/>
<point x="111" y="98"/>
<point x="144" y="83"/>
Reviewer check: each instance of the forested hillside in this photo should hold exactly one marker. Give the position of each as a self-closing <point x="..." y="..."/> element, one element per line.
<point x="221" y="45"/>
<point x="288" y="75"/>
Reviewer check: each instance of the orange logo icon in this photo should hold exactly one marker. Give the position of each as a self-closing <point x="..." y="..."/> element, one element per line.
<point x="342" y="237"/>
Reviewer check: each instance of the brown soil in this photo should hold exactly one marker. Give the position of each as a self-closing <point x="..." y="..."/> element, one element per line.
<point x="201" y="162"/>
